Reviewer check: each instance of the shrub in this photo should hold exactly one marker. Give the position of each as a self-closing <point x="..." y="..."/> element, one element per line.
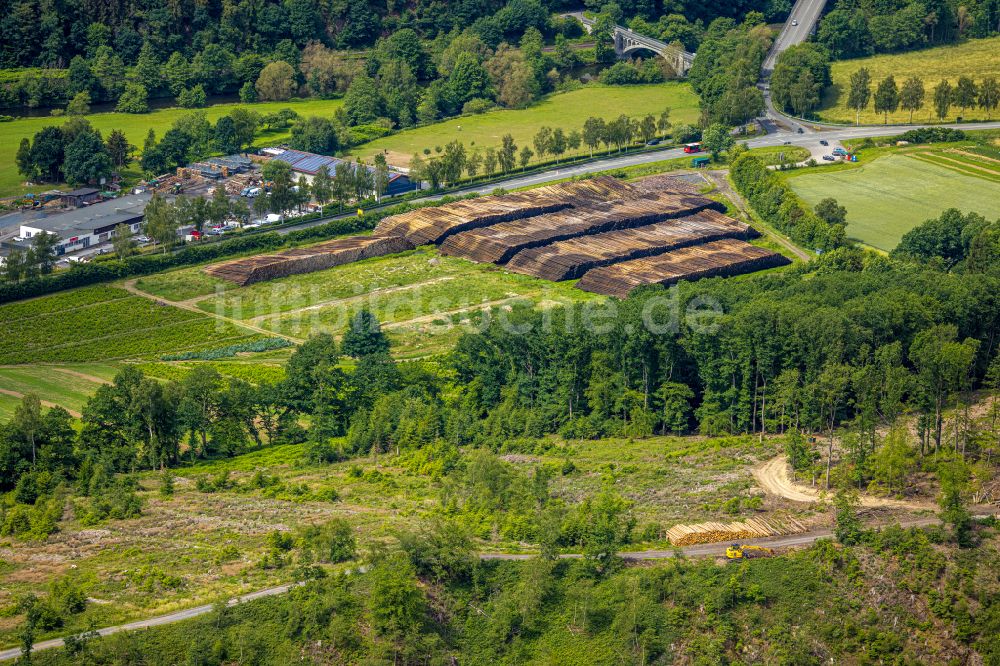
<point x="31" y="522"/>
<point x="333" y="542"/>
<point x="117" y="501"/>
<point x="932" y="135"/>
<point x="477" y="105"/>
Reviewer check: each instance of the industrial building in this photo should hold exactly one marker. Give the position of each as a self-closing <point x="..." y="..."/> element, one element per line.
<point x="88" y="226"/>
<point x="308" y="164"/>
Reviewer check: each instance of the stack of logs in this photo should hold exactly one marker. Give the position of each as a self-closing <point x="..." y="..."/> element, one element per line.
<point x="306" y="259"/>
<point x="500" y="242"/>
<point x="751" y="528"/>
<point x="570" y="259"/>
<point x="434" y="224"/>
<point x="722" y="258"/>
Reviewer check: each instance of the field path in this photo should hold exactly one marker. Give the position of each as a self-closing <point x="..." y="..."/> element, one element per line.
<point x="45" y="403"/>
<point x="427" y="319"/>
<point x="974" y="155"/>
<point x="773" y="477"/>
<point x="129" y="285"/>
<point x="965" y="165"/>
<point x="82" y="375"/>
<point x="718" y="178"/>
<point x="348" y="300"/>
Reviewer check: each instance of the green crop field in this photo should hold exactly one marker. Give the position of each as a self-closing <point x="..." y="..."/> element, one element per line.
<point x="135" y="127"/>
<point x="104" y="323"/>
<point x="566" y="110"/>
<point x="890" y="195"/>
<point x="976" y="58"/>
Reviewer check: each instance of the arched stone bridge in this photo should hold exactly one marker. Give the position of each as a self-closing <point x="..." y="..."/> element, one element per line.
<point x="628" y="42"/>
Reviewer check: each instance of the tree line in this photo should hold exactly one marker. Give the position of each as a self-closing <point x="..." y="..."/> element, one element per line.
<point x="447" y="164"/>
<point x="855" y="29"/>
<point x="888" y="96"/>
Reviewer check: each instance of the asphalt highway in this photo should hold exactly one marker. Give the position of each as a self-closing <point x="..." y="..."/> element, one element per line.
<point x="796" y="30"/>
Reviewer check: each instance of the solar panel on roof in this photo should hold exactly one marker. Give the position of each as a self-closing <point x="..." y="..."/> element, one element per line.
<point x="312" y="163"/>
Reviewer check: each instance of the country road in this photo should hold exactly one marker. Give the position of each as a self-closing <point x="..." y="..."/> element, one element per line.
<point x="700" y="550"/>
<point x="159" y="620"/>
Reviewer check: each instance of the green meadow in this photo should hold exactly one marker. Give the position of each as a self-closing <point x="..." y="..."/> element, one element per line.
<point x="567" y="110"/>
<point x="976" y="58"/>
<point x="890" y="195"/>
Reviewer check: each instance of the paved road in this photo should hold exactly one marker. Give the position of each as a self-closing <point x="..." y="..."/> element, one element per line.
<point x="170" y="618"/>
<point x="796" y="30"/>
<point x="809" y="139"/>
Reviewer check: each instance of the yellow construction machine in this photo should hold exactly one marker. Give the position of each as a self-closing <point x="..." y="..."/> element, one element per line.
<point x="740" y="552"/>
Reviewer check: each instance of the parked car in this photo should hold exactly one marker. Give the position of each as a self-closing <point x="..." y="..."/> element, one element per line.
<point x="142" y="239"/>
<point x="829" y="158"/>
<point x="653" y="142"/>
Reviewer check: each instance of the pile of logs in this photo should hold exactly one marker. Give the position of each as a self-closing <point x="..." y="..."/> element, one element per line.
<point x="751" y="528"/>
<point x="500" y="242"/>
<point x="436" y="223"/>
<point x="722" y="258"/>
<point x="570" y="259"/>
<point x="306" y="259"/>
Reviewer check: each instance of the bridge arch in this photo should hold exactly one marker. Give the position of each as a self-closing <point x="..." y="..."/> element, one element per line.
<point x="628" y="42"/>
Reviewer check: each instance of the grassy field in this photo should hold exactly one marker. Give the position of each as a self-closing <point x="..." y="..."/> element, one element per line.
<point x="890" y="195"/>
<point x="196" y="547"/>
<point x="135" y="127"/>
<point x="425" y="301"/>
<point x="976" y="58"/>
<point x="567" y="110"/>
<point x="67" y="387"/>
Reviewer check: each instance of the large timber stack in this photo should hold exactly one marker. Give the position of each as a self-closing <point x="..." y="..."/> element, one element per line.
<point x="434" y="224"/>
<point x="570" y="259"/>
<point x="722" y="258"/>
<point x="498" y="243"/>
<point x="611" y="235"/>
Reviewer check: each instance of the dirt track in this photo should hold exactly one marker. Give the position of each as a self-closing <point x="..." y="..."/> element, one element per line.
<point x="774" y="478"/>
<point x="44" y="403"/>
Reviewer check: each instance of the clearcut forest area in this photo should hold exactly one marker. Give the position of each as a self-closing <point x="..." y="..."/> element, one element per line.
<point x="443" y="333"/>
